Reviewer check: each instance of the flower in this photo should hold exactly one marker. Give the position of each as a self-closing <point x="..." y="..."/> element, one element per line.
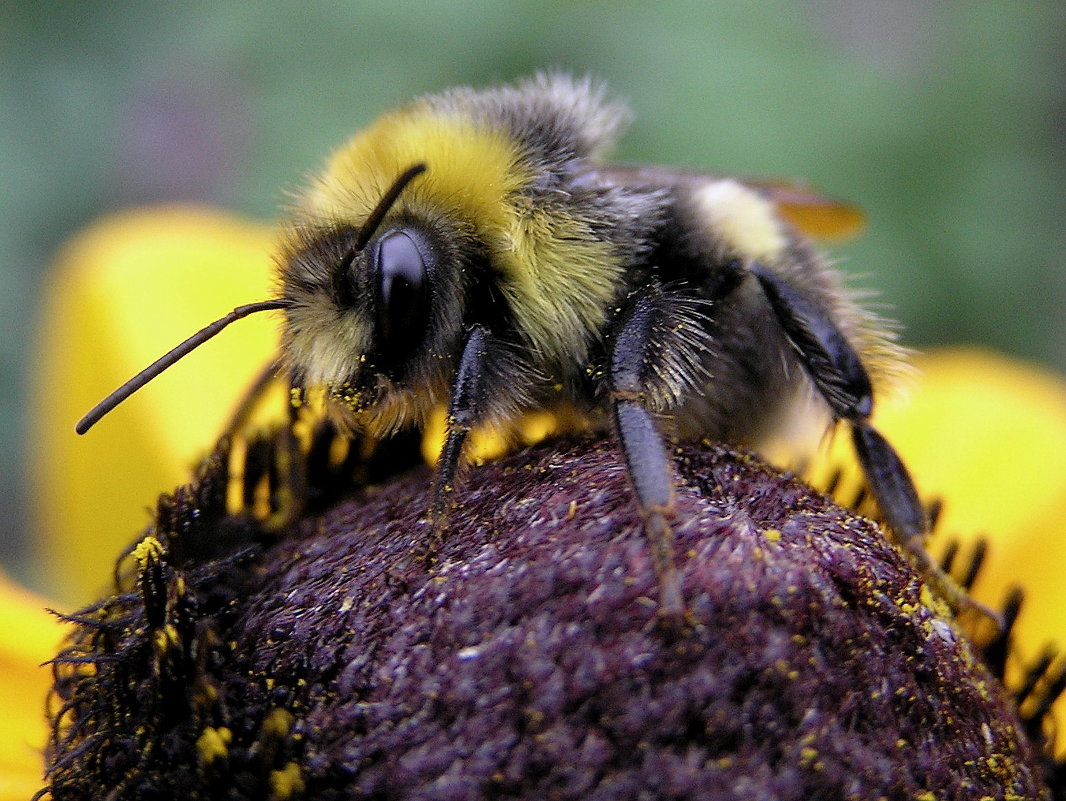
<point x="524" y="656"/>
<point x="999" y="476"/>
<point x="123" y="292"/>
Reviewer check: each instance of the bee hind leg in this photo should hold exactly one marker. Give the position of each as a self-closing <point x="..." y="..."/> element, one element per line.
<point x="838" y="373"/>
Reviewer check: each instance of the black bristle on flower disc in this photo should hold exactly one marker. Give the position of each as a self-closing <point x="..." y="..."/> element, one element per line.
<point x="1038" y="685"/>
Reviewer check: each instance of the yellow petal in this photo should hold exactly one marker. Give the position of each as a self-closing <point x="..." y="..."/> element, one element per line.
<point x="29" y="636"/>
<point x="124" y="292"/>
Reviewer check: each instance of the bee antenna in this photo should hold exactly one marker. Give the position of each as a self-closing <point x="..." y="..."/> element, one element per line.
<point x="383" y="206"/>
<point x="167" y="359"/>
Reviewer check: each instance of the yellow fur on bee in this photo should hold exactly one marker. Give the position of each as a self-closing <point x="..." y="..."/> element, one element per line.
<point x="747" y="223"/>
<point x="556" y="274"/>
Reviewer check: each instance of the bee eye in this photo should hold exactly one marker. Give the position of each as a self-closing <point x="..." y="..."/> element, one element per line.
<point x="402" y="291"/>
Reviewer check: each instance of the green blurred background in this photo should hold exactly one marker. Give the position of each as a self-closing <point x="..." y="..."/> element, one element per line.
<point x="945" y="121"/>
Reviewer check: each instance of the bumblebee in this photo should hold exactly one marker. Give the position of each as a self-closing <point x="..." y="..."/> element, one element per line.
<point x="474" y="249"/>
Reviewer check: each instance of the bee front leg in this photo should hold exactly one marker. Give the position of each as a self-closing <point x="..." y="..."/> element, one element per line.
<point x="464" y="411"/>
<point x="633" y="351"/>
<point x="840" y="377"/>
<point x="284" y="467"/>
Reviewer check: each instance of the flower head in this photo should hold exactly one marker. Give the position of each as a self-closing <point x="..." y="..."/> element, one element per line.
<point x="525" y="657"/>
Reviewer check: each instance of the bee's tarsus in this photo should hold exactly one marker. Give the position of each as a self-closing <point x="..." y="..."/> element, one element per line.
<point x="891" y="485"/>
<point x="661" y="540"/>
<point x="464" y="411"/>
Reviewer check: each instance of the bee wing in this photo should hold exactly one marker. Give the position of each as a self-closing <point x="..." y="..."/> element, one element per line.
<point x="811" y="212"/>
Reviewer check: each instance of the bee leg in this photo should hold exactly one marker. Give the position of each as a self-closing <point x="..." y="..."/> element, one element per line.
<point x="839" y="375"/>
<point x="464" y="411"/>
<point x="650" y="470"/>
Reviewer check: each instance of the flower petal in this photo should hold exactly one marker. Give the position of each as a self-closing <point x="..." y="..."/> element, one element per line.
<point x="31" y="636"/>
<point x="124" y="292"/>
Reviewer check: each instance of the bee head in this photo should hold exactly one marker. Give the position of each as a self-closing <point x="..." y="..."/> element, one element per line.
<point x="365" y="319"/>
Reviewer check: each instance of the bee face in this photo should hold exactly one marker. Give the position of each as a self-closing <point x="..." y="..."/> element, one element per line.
<point x="378" y="299"/>
<point x="374" y="321"/>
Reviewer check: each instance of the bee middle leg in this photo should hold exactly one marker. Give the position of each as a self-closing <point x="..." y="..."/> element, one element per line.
<point x="633" y="351"/>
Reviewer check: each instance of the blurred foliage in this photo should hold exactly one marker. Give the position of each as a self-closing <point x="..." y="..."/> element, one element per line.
<point x="945" y="121"/>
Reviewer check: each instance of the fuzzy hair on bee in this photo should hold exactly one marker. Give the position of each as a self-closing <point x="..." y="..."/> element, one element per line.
<point x="474" y="249"/>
